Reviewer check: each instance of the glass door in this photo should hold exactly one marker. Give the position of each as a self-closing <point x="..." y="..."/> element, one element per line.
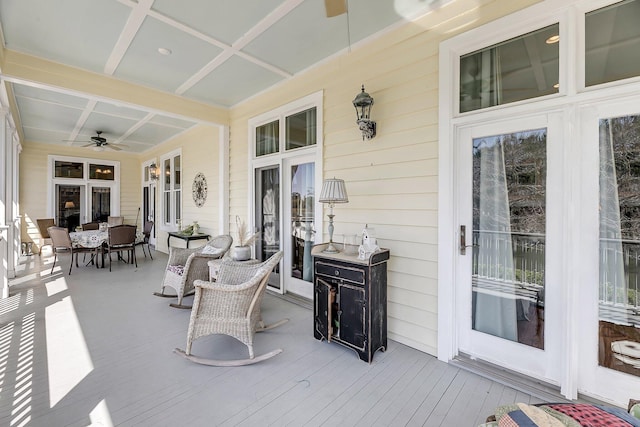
<point x="99" y="204"/>
<point x="267" y="217"/>
<point x="509" y="283"/>
<point x="69" y="205"/>
<point x="301" y="226"/>
<point x="610" y="295"/>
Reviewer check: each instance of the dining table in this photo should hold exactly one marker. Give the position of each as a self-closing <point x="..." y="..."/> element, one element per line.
<point x="95" y="238"/>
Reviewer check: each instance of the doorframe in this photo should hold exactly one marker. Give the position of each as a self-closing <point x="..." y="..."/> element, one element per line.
<point x="282" y="158"/>
<point x="571" y="97"/>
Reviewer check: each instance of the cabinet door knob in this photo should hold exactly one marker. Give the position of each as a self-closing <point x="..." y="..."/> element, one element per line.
<point x="337" y="272"/>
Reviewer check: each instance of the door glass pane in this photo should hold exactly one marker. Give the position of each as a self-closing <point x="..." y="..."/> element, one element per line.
<point x="612" y="38"/>
<point x="302" y="220"/>
<point x="509" y="214"/>
<point x="100" y="204"/>
<point x="68" y="169"/>
<point x="619" y="293"/>
<point x="68" y="206"/>
<point x="268" y="138"/>
<point x="521" y="68"/>
<point x="268" y="215"/>
<point x="301" y="129"/>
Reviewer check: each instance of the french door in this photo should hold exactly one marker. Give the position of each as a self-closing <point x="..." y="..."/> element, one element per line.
<point x="609" y="296"/>
<point x="285" y="214"/>
<point x="509" y="257"/>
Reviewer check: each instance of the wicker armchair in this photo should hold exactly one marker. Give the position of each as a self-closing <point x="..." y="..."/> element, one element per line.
<point x="231" y="306"/>
<point x="186" y="265"/>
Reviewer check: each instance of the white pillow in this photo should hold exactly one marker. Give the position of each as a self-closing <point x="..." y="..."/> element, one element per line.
<point x="211" y="250"/>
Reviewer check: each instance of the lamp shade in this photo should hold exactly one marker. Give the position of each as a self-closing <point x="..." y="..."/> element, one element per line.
<point x="333" y="191"/>
<point x="69" y="205"/>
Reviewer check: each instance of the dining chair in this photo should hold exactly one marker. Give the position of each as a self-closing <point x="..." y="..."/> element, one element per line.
<point x="90" y="226"/>
<point x="115" y="220"/>
<point x="43" y="225"/>
<point x="61" y="243"/>
<point x="122" y="238"/>
<point x="146" y="232"/>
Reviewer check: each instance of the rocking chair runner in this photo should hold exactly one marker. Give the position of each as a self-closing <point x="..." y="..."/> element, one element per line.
<point x="231" y="306"/>
<point x="186" y="265"/>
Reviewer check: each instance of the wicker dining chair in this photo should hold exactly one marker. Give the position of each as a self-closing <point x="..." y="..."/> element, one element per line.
<point x="188" y="264"/>
<point x="122" y="238"/>
<point x="231" y="306"/>
<point x="61" y="243"/>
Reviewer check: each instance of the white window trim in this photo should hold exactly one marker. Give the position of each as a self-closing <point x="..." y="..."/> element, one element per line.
<point x="279" y="158"/>
<point x="171" y="225"/>
<point x="84" y="181"/>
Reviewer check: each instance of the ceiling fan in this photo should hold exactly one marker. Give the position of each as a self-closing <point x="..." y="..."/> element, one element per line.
<point x="335" y="7"/>
<point x="99" y="143"/>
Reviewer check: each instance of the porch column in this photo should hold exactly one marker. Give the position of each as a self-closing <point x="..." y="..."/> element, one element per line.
<point x="4" y="207"/>
<point x="10" y="215"/>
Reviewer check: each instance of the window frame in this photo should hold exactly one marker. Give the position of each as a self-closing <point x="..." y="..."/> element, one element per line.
<point x="174" y="209"/>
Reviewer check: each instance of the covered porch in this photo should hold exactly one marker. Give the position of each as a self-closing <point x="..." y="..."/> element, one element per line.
<point x="96" y="348"/>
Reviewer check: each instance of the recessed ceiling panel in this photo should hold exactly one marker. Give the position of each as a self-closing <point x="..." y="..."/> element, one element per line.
<point x="74" y="32"/>
<point x="232" y="82"/>
<point x="112" y="127"/>
<point x="145" y="65"/>
<point x="154" y="134"/>
<point x="171" y="121"/>
<point x="46" y="115"/>
<point x="224" y="20"/>
<point x="46" y="136"/>
<point x="301" y="38"/>
<point x="119" y="111"/>
<point x="35" y="93"/>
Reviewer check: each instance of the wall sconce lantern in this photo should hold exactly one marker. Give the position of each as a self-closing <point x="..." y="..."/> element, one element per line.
<point x="363" y="103"/>
<point x="153" y="171"/>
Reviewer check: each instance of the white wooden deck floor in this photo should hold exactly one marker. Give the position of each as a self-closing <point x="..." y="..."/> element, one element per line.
<point x="96" y="348"/>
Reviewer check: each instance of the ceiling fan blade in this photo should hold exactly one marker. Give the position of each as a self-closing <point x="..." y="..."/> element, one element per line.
<point x="91" y="144"/>
<point x="114" y="147"/>
<point x="335" y="7"/>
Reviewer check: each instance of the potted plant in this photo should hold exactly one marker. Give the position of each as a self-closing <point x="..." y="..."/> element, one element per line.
<point x="242" y="251"/>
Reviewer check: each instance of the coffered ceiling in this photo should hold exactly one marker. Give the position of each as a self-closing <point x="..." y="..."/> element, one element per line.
<point x="216" y="52"/>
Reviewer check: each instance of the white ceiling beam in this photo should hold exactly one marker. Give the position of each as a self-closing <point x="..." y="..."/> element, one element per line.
<point x="139" y="12"/>
<point x="91" y="105"/>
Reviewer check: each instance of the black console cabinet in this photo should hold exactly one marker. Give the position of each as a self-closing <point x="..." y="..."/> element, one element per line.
<point x="350" y="300"/>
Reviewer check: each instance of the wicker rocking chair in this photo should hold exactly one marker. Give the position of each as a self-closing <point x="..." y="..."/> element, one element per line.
<point x="186" y="265"/>
<point x="231" y="306"/>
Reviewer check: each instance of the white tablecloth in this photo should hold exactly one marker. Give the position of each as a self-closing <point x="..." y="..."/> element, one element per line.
<point x="95" y="238"/>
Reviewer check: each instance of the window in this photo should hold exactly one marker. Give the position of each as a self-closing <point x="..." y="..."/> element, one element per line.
<point x="521" y="68"/>
<point x="299" y="128"/>
<point x="171" y="167"/>
<point x="101" y="172"/>
<point x="612" y="40"/>
<point x="82" y="190"/>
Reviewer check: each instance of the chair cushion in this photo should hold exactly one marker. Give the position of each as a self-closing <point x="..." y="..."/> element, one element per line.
<point x="211" y="250"/>
<point x="176" y="269"/>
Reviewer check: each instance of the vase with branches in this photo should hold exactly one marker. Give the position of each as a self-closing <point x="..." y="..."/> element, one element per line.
<point x="242" y="251"/>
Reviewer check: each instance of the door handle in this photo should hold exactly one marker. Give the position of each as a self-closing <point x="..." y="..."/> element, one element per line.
<point x="463" y="240"/>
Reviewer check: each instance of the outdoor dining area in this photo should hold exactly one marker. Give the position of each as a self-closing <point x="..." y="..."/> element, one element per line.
<point x="99" y="240"/>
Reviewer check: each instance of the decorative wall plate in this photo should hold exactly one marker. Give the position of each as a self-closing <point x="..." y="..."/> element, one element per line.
<point x="199" y="189"/>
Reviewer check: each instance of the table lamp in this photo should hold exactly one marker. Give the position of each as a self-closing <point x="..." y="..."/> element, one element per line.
<point x="333" y="191"/>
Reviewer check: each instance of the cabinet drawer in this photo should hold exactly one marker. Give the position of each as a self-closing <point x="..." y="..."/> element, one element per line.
<point x="354" y="275"/>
